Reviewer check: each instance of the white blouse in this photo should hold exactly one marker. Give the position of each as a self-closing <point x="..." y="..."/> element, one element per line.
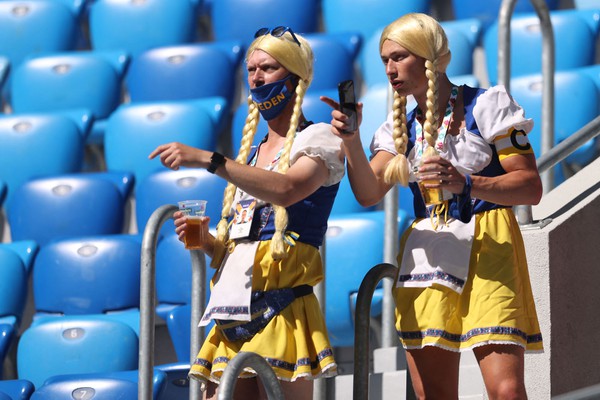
<point x="495" y="112"/>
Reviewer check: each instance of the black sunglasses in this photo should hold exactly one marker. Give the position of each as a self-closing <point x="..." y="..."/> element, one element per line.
<point x="278" y="31"/>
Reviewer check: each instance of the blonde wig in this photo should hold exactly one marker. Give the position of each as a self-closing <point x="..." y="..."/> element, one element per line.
<point x="298" y="60"/>
<point x="422" y="36"/>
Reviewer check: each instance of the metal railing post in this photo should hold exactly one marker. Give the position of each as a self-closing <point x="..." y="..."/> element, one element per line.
<point x="524" y="213"/>
<point x="390" y="251"/>
<point x="260" y="365"/>
<point x="198" y="305"/>
<point x="361" y="331"/>
<point x="320" y="384"/>
<point x="148" y="306"/>
<point x="147" y="299"/>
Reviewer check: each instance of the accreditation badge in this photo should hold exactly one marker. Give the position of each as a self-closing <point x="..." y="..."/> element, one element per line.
<point x="242" y="219"/>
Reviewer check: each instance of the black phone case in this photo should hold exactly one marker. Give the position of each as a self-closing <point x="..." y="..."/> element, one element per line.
<point x="347" y="100"/>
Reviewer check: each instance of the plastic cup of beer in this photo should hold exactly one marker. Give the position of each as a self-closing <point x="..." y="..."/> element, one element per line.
<point x="431" y="196"/>
<point x="194" y="210"/>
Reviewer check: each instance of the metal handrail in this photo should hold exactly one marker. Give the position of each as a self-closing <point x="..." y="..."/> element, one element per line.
<point x="147" y="302"/>
<point x="556" y="155"/>
<point x="243" y="360"/>
<point x="361" y="331"/>
<point x="548" y="68"/>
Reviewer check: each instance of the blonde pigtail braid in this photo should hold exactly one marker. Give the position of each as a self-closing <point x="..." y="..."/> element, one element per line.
<point x="430" y="127"/>
<point x="223" y="226"/>
<point x="397" y="169"/>
<point x="281" y="218"/>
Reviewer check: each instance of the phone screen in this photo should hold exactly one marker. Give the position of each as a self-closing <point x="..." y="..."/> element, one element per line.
<point x="348" y="103"/>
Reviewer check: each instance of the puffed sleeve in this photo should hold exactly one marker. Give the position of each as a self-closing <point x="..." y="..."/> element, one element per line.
<point x="502" y="122"/>
<point x="317" y="141"/>
<point x="383" y="139"/>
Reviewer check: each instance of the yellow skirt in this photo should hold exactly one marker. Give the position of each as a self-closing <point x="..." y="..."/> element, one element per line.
<point x="496" y="305"/>
<point x="295" y="343"/>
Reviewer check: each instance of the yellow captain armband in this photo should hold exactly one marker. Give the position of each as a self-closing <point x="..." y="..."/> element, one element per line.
<point x="513" y="143"/>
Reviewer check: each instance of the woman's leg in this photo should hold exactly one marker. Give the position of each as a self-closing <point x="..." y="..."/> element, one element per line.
<point x="301" y="389"/>
<point x="245" y="389"/>
<point x="434" y="372"/>
<point x="503" y="370"/>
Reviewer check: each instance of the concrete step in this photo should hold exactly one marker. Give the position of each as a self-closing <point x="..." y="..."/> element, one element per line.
<point x="388" y="379"/>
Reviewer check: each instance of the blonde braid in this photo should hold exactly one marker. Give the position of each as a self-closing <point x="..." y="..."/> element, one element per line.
<point x="223" y="226"/>
<point x="397" y="169"/>
<point x="430" y="127"/>
<point x="281" y="218"/>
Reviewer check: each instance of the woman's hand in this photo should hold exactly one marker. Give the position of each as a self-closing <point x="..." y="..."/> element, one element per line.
<point x="436" y="172"/>
<point x="206" y="240"/>
<point x="338" y="119"/>
<point x="174" y="155"/>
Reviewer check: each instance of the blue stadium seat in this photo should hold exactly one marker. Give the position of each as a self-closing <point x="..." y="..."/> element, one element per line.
<point x="142" y="25"/>
<point x="169" y="187"/>
<point x="179" y="324"/>
<point x="29" y="28"/>
<point x="487" y="11"/>
<point x="335" y="54"/>
<point x="3" y="190"/>
<point x="185" y="72"/>
<point x="83" y="204"/>
<point x="94" y="275"/>
<point x="345" y="202"/>
<point x="17" y="389"/>
<point x="71" y="80"/>
<point x="365" y="16"/>
<point x="26" y="249"/>
<point x="38" y="145"/>
<point x="569" y="27"/>
<point x="586" y="4"/>
<point x="4" y="68"/>
<point x="134" y="130"/>
<point x="173" y="291"/>
<point x="76" y="344"/>
<point x="8" y="332"/>
<point x="177" y="383"/>
<point x="99" y="386"/>
<point x="16" y="259"/>
<point x="250" y="15"/>
<point x="463" y="37"/>
<point x="346" y="269"/>
<point x="13" y="285"/>
<point x="574" y="91"/>
<point x="174" y="274"/>
<point x="237" y="125"/>
<point x="593" y="71"/>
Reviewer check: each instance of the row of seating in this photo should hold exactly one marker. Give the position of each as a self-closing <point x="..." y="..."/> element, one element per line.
<point x="86" y="294"/>
<point x="180" y="70"/>
<point x="43" y="145"/>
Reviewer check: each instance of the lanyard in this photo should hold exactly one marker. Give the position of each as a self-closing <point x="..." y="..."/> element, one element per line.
<point x="420" y="142"/>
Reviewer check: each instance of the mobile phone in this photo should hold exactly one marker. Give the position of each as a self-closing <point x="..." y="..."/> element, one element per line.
<point x="348" y="104"/>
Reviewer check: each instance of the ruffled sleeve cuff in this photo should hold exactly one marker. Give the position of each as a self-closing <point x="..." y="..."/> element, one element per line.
<point x="383" y="139"/>
<point x="497" y="113"/>
<point x="317" y="140"/>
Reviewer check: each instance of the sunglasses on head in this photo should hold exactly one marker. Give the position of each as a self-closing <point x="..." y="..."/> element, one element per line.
<point x="278" y="31"/>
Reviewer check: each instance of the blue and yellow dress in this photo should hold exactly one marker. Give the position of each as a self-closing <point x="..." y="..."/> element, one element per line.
<point x="295" y="342"/>
<point x="490" y="301"/>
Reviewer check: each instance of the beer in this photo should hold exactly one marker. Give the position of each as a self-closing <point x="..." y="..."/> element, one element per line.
<point x="194" y="211"/>
<point x="193" y="234"/>
<point x="431" y="196"/>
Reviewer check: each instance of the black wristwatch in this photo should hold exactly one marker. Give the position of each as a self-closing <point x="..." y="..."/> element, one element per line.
<point x="216" y="160"/>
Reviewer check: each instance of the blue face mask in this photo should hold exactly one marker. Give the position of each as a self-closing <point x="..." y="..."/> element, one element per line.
<point x="272" y="98"/>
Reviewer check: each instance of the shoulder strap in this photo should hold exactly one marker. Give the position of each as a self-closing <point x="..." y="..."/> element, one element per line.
<point x="469" y="100"/>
